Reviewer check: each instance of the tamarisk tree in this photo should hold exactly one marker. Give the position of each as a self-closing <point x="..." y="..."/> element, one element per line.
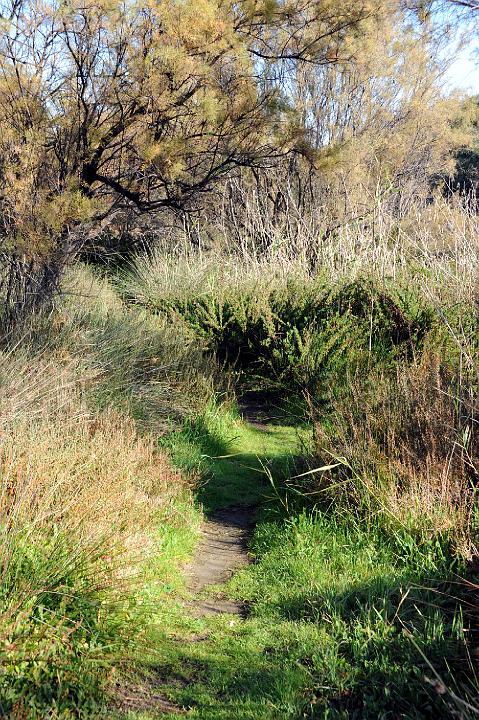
<point x="112" y="104"/>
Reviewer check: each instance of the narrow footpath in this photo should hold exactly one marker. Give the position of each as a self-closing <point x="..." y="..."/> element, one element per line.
<point x="221" y="551"/>
<point x="284" y="612"/>
<point x="201" y="647"/>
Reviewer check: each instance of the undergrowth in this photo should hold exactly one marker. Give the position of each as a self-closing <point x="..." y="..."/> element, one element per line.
<point x="357" y="602"/>
<point x="93" y="518"/>
<point x="387" y="367"/>
<point x="365" y="568"/>
<point x="286" y="330"/>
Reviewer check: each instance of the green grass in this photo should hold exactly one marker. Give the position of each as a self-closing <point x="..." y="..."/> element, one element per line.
<point x="68" y="631"/>
<point x="233" y="457"/>
<point x="340" y="625"/>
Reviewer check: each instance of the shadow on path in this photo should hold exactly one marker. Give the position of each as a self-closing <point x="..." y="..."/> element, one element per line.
<point x="221" y="551"/>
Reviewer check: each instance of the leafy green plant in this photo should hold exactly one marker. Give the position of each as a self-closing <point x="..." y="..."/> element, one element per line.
<point x="286" y="331"/>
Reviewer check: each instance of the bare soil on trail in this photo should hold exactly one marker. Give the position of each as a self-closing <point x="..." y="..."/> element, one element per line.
<point x="221" y="551"/>
<point x="141" y="696"/>
<point x="256" y="410"/>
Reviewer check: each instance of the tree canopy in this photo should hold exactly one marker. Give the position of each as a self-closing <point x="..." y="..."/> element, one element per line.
<point x="142" y="104"/>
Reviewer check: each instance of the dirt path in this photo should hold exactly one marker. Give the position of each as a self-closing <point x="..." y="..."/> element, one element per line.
<point x="256" y="411"/>
<point x="221" y="551"/>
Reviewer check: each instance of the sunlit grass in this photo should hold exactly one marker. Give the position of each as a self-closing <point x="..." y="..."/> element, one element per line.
<point x="337" y="611"/>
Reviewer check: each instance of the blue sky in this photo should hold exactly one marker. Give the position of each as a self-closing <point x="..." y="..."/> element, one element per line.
<point x="464" y="72"/>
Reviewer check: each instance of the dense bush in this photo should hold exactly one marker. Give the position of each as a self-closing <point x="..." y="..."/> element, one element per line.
<point x="290" y="331"/>
<point x="389" y="368"/>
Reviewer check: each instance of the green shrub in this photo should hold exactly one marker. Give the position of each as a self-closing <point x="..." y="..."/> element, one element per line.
<point x="293" y="332"/>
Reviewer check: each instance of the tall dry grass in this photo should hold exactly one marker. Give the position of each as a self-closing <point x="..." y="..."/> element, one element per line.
<point x="434" y="245"/>
<point x="83" y="499"/>
<point x="407" y="446"/>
